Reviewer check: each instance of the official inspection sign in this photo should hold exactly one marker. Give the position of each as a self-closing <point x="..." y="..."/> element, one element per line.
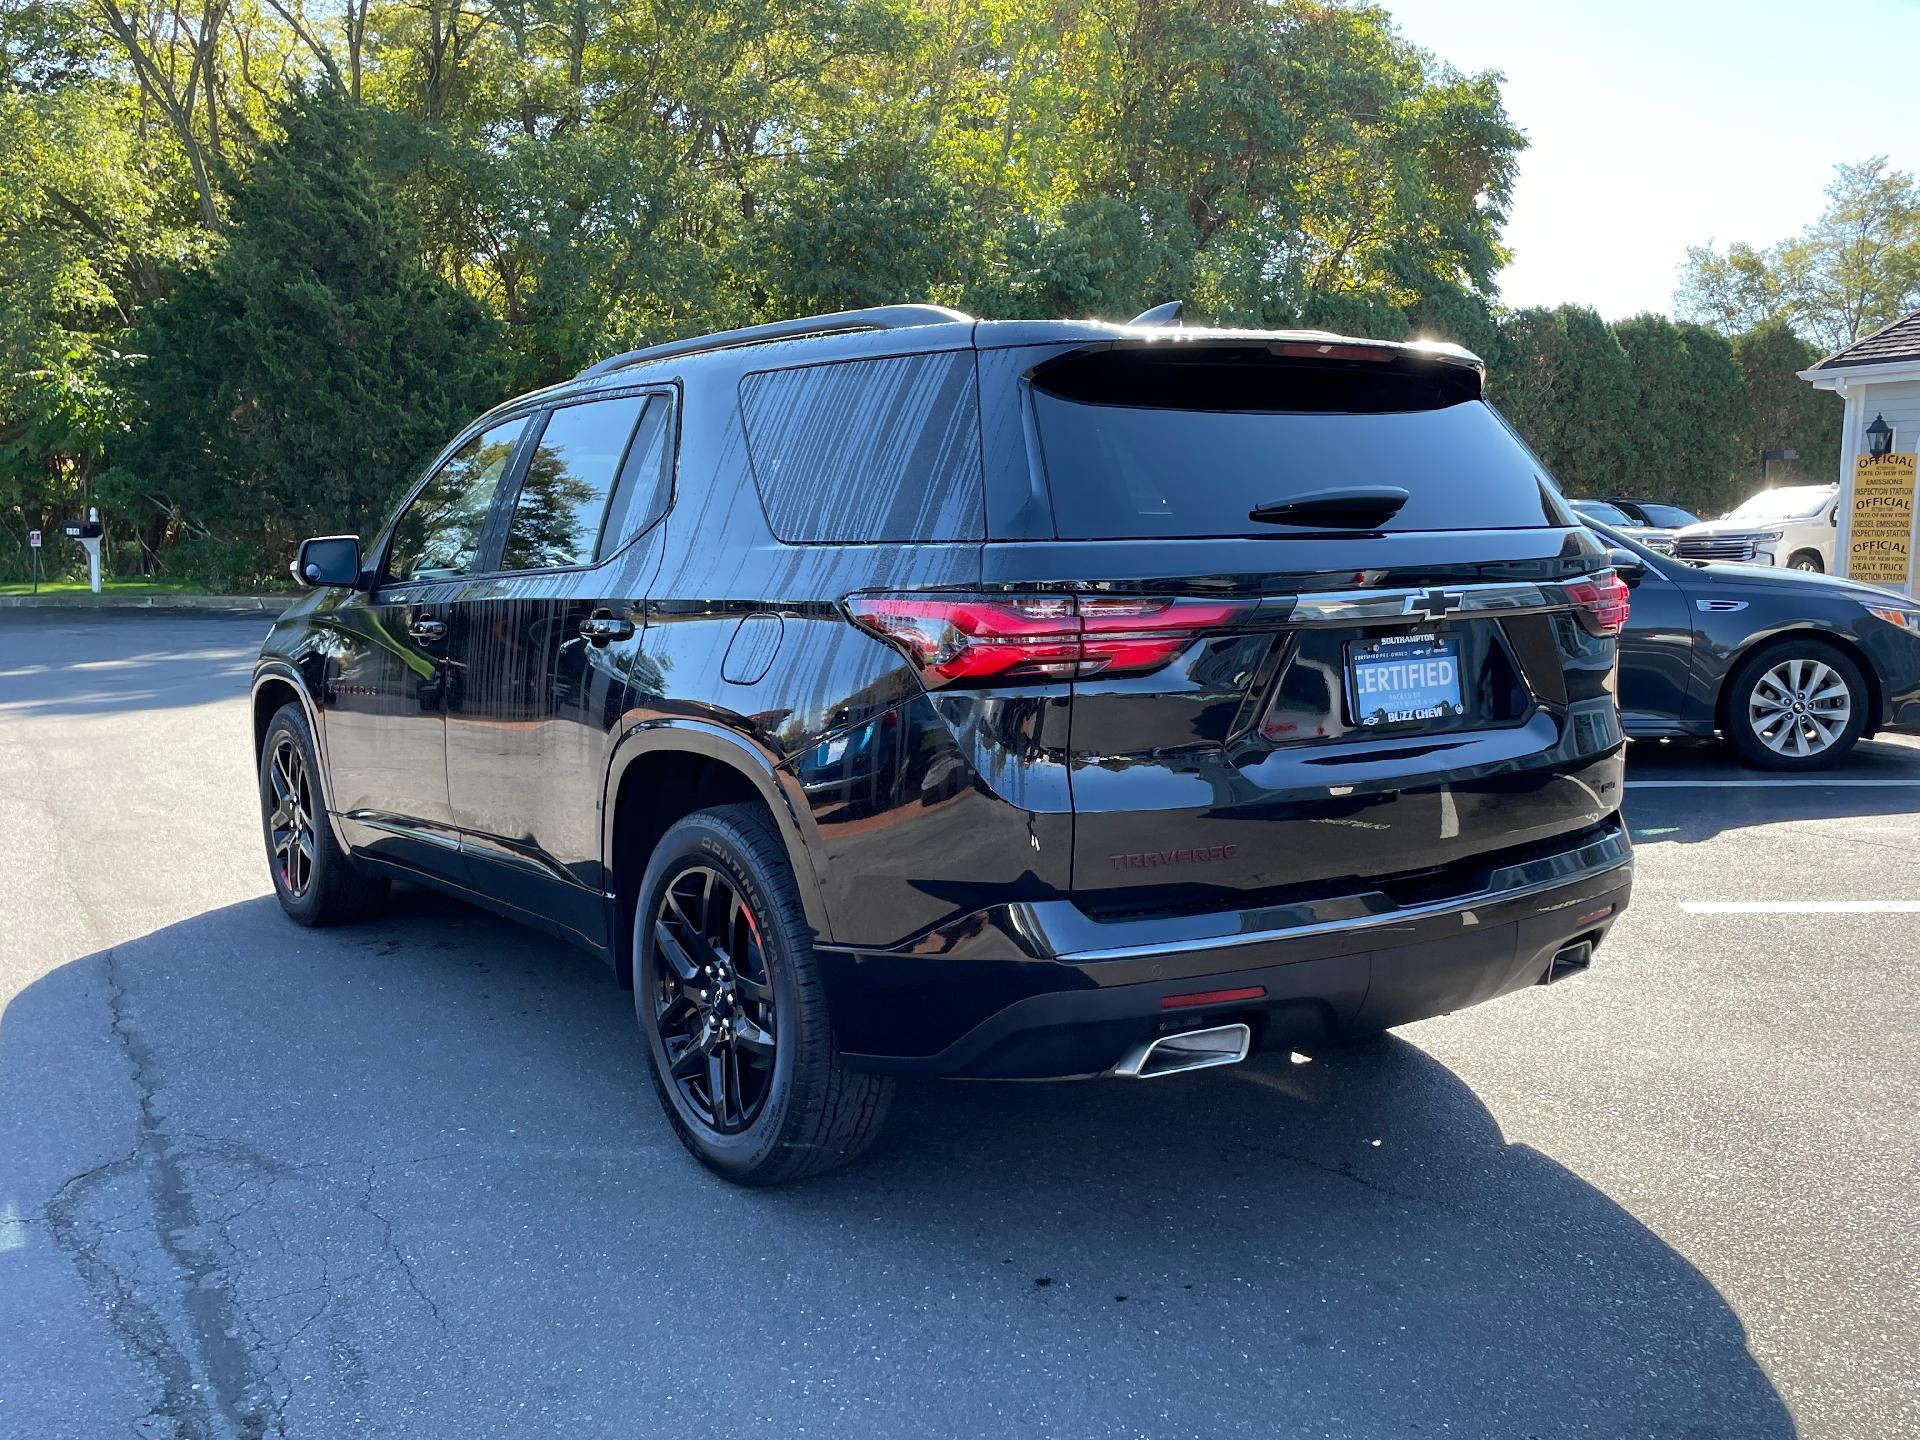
<point x="1880" y="547"/>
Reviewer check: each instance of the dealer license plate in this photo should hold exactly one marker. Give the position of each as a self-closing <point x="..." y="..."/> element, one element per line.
<point x="1403" y="678"/>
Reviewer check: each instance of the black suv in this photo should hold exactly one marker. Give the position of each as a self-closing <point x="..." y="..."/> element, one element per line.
<point x="893" y="692"/>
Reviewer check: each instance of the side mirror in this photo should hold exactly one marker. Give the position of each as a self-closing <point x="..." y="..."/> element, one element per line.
<point x="1627" y="565"/>
<point x="1833" y="517"/>
<point x="328" y="560"/>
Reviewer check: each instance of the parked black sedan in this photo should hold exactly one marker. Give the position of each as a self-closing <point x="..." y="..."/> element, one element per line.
<point x="1791" y="667"/>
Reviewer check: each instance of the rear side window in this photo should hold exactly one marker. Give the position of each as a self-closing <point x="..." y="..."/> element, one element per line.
<point x="868" y="450"/>
<point x="645" y="488"/>
<point x="1195" y="447"/>
<point x="563" y="496"/>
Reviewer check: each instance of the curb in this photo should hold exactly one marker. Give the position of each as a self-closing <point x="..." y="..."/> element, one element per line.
<point x="232" y="604"/>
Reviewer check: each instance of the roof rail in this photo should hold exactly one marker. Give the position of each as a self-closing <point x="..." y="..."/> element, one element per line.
<point x="878" y="317"/>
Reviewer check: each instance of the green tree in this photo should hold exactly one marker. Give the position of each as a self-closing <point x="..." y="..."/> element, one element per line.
<point x="1689" y="399"/>
<point x="1564" y="380"/>
<point x="1782" y="411"/>
<point x="872" y="227"/>
<point x="297" y="380"/>
<point x="595" y="176"/>
<point x="87" y="217"/>
<point x="1853" y="270"/>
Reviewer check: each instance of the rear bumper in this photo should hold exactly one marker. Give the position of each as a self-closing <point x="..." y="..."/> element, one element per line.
<point x="1040" y="991"/>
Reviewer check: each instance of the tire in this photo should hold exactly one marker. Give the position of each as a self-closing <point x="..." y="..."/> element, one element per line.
<point x="722" y="950"/>
<point x="323" y="886"/>
<point x="1762" y="727"/>
<point x="1806" y="560"/>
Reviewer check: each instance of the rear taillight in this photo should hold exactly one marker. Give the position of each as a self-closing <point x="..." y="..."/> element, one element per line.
<point x="1600" y="601"/>
<point x="982" y="639"/>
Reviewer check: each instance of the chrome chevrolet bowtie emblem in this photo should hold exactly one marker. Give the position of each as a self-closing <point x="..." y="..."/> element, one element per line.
<point x="1431" y="603"/>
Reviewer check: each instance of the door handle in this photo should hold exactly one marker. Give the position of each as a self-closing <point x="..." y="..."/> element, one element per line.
<point x="604" y="625"/>
<point x="428" y="629"/>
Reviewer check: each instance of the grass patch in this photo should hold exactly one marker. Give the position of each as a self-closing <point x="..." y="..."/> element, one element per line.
<point x="107" y="587"/>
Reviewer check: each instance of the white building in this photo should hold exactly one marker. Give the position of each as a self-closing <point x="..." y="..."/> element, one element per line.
<point x="1878" y="376"/>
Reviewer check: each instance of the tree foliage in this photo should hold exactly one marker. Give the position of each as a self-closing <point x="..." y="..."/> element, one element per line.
<point x="257" y="257"/>
<point x="1853" y="270"/>
<point x="297" y="381"/>
<point x="1660" y="410"/>
<point x="1782" y="411"/>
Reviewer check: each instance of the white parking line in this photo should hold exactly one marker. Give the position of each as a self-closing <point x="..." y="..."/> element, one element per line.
<point x="1801" y="907"/>
<point x="1801" y="782"/>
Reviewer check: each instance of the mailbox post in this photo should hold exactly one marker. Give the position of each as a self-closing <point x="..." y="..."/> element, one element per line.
<point x="87" y="532"/>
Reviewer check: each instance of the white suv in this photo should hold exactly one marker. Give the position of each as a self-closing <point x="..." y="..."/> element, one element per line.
<point x="1792" y="526"/>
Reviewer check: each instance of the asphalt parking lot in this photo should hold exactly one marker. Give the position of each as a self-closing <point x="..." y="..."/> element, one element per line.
<point x="408" y="1178"/>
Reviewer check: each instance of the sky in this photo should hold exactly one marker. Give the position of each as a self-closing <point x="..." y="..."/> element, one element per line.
<point x="1658" y="124"/>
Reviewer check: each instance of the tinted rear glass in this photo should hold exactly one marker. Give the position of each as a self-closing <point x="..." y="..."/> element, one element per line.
<point x="868" y="450"/>
<point x="1671" y="516"/>
<point x="1601" y="510"/>
<point x="1136" y="472"/>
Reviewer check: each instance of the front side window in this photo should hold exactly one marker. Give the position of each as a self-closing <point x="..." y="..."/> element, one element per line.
<point x="563" y="497"/>
<point x="438" y="535"/>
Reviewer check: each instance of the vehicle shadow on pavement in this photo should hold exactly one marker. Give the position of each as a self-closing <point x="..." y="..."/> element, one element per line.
<point x="410" y="1177"/>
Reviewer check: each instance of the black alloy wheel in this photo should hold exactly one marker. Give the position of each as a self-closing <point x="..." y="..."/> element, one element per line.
<point x="290" y="834"/>
<point x="317" y="882"/>
<point x="713" y="999"/>
<point x="732" y="1006"/>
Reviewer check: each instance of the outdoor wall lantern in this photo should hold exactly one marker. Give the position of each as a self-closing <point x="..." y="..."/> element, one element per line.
<point x="1879" y="437"/>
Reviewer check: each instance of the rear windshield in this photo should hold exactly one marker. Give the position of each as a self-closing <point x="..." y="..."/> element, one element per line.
<point x="1131" y="471"/>
<point x="1601" y="510"/>
<point x="1671" y="516"/>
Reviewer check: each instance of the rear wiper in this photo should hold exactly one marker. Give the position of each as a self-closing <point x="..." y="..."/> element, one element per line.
<point x="1352" y="507"/>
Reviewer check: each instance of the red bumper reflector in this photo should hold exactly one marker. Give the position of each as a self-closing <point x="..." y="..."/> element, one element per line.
<point x="1213" y="997"/>
<point x="1593" y="915"/>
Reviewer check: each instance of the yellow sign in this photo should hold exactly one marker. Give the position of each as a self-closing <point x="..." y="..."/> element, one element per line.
<point x="1879" y="550"/>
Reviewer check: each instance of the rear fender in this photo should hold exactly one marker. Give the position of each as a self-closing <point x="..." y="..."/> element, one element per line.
<point x="790" y="814"/>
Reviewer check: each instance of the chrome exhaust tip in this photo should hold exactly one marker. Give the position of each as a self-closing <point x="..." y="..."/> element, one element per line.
<point x="1188" y="1050"/>
<point x="1571" y="959"/>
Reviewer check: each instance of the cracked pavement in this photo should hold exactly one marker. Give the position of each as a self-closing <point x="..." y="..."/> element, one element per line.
<point x="407" y="1178"/>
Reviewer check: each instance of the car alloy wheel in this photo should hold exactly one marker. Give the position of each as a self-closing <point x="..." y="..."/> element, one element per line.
<point x="1803" y="563"/>
<point x="1799" y="707"/>
<point x="713" y="999"/>
<point x="290" y="825"/>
